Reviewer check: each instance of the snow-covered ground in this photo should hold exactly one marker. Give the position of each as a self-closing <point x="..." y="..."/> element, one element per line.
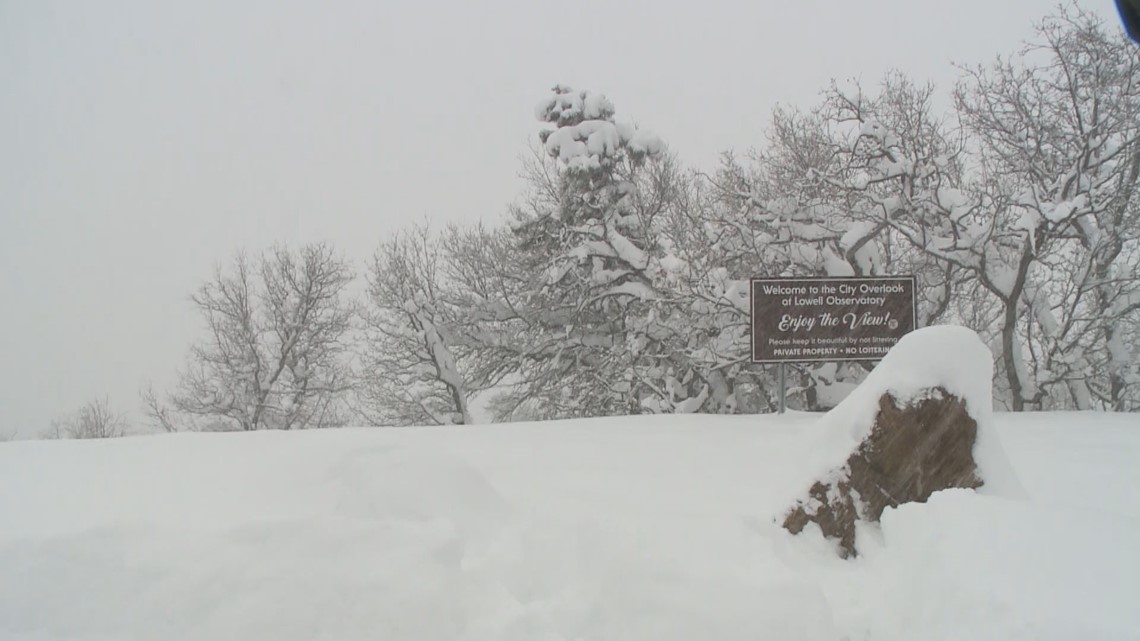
<point x="648" y="528"/>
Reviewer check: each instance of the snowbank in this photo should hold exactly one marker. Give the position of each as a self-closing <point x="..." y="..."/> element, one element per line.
<point x="637" y="528"/>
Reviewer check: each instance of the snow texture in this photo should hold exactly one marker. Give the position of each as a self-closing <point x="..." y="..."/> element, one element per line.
<point x="634" y="528"/>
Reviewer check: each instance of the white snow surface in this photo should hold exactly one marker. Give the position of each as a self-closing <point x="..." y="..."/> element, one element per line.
<point x="651" y="528"/>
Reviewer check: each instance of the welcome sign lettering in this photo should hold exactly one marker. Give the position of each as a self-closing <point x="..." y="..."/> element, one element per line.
<point x="830" y="319"/>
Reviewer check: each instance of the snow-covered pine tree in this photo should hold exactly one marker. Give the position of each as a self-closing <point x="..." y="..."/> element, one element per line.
<point x="589" y="235"/>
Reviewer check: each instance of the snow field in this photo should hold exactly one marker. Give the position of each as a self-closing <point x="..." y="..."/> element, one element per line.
<point x="632" y="528"/>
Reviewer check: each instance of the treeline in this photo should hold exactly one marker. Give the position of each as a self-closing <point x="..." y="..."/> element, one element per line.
<point x="619" y="282"/>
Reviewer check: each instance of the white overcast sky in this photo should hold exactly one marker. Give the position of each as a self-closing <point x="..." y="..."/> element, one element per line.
<point x="143" y="142"/>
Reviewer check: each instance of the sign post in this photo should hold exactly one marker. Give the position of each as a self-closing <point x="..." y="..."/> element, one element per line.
<point x="783" y="402"/>
<point x="797" y="320"/>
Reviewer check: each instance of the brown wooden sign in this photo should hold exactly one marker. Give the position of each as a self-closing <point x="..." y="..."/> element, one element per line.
<point x="830" y="319"/>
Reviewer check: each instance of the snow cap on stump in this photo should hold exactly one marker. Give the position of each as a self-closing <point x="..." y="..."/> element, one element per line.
<point x="921" y="422"/>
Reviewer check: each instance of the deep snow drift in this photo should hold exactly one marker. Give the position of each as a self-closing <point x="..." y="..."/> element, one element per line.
<point x="647" y="528"/>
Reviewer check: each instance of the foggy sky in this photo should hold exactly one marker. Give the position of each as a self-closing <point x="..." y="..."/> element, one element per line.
<point x="142" y="142"/>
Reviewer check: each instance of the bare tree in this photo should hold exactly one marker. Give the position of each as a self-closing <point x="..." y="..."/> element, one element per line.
<point x="1021" y="222"/>
<point x="274" y="355"/>
<point x="96" y="419"/>
<point x="1057" y="130"/>
<point x="411" y="374"/>
<point x="54" y="431"/>
<point x="159" y="414"/>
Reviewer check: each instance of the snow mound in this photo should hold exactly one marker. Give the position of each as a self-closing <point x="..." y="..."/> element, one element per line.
<point x="947" y="356"/>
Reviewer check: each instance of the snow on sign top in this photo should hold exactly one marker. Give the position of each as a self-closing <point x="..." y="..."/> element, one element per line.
<point x="830" y="319"/>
